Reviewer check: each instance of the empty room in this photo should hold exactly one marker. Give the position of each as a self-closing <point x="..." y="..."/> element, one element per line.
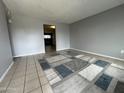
<point x="61" y="46"/>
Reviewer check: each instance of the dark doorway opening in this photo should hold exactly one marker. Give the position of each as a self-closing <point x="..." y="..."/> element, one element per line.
<point x="49" y="38"/>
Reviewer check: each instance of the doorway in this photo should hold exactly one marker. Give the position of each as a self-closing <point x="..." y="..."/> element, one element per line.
<point x="49" y="38"/>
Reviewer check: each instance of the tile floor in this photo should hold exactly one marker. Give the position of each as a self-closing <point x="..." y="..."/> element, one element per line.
<point x="25" y="76"/>
<point x="32" y="75"/>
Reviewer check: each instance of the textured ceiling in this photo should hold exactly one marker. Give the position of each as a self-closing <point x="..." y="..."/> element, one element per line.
<point x="65" y="11"/>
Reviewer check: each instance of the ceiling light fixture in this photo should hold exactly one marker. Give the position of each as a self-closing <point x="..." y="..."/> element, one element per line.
<point x="53" y="26"/>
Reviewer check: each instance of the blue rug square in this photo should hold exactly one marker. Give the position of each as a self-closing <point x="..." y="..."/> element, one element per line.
<point x="101" y="63"/>
<point x="63" y="70"/>
<point x="104" y="81"/>
<point x="44" y="64"/>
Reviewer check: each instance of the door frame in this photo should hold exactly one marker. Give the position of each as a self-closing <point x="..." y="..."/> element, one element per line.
<point x="55" y="37"/>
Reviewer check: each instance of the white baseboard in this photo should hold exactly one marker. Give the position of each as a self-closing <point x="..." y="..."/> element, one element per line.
<point x="29" y="54"/>
<point x="62" y="49"/>
<point x="99" y="54"/>
<point x="4" y="74"/>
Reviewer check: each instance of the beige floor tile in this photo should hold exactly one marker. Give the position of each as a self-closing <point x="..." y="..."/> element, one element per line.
<point x="38" y="90"/>
<point x="31" y="77"/>
<point x="4" y="85"/>
<point x="18" y="75"/>
<point x="16" y="85"/>
<point x="10" y="72"/>
<point x="2" y="91"/>
<point x="31" y="85"/>
<point x="31" y="62"/>
<point x="20" y="69"/>
<point x="43" y="80"/>
<point x="41" y="74"/>
<point x="5" y="82"/>
<point x="7" y="78"/>
<point x="38" y="66"/>
<point x="21" y="65"/>
<point x="31" y="71"/>
<point x="30" y="66"/>
<point x="16" y="89"/>
<point x="47" y="88"/>
<point x="17" y="82"/>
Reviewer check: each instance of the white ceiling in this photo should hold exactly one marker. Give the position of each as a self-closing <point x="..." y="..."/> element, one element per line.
<point x="65" y="11"/>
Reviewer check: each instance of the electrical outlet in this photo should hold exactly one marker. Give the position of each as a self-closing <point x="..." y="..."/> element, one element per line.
<point x="122" y="51"/>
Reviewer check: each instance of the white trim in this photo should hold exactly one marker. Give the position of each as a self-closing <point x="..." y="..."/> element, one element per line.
<point x="99" y="54"/>
<point x="117" y="66"/>
<point x="62" y="49"/>
<point x="5" y="73"/>
<point x="29" y="54"/>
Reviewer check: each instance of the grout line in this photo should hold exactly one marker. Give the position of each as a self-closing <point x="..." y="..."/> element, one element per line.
<point x="37" y="73"/>
<point x="33" y="90"/>
<point x="25" y="75"/>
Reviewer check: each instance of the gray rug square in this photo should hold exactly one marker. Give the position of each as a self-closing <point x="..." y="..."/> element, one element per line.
<point x="76" y="64"/>
<point x="75" y="84"/>
<point x="119" y="87"/>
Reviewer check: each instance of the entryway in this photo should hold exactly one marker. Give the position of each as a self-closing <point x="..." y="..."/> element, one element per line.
<point x="49" y="38"/>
